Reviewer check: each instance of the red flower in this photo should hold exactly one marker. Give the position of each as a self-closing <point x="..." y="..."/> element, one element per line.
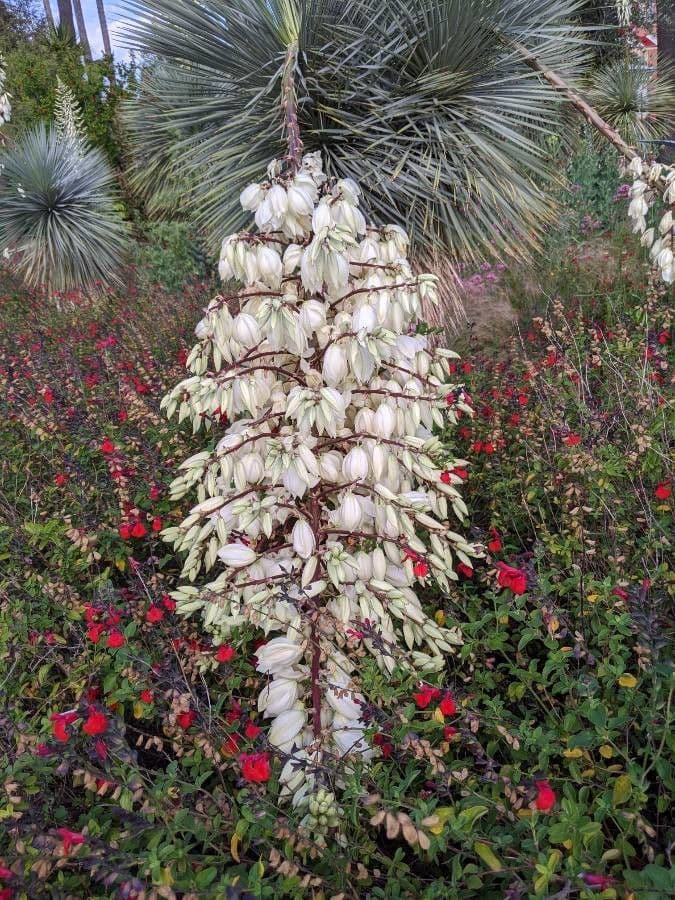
<point x="225" y="653"/>
<point x="44" y="750"/>
<point x="662" y="491"/>
<point x="122" y="415"/>
<point x="139" y="530"/>
<point x="107" y="446"/>
<point x="147" y="696"/>
<point x="251" y="731"/>
<point x="154" y="614"/>
<point x="60" y="479"/>
<point x="465" y="570"/>
<point x="602" y="882"/>
<point x="168" y="603"/>
<point x="187" y="718"/>
<point x="61" y="722"/>
<point x="70" y="838"/>
<point x="572" y="440"/>
<point x="255" y="767"/>
<point x="663" y="337"/>
<point x="512" y="578"/>
<point x="95" y="631"/>
<point x="425" y="695"/>
<point x="488" y="448"/>
<point x="449" y="733"/>
<point x="460" y="473"/>
<point x="447" y="705"/>
<point x="546" y="798"/>
<point x="421" y="569"/>
<point x="101" y="750"/>
<point x="495" y="544"/>
<point x="154" y="492"/>
<point x="115" y="639"/>
<point x="96" y="723"/>
<point x="445" y="477"/>
<point x="382" y="741"/>
<point x="125" y="531"/>
<point x="619" y="592"/>
<point x="231" y="745"/>
<point x="477" y="446"/>
<point x="48" y="395"/>
<point x="157" y="523"/>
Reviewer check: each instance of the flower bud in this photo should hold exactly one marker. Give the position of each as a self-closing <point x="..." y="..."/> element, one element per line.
<point x="335" y="367"/>
<point x="349" y="512"/>
<point x="251" y="197"/>
<point x="236" y="555"/>
<point x="245" y="330"/>
<point x="269" y="265"/>
<point x="302" y="536"/>
<point x="321" y="218"/>
<point x="277" y="655"/>
<point x="355" y="464"/>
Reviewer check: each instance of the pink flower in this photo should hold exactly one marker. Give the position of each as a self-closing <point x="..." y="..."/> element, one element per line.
<point x="546" y="798"/>
<point x="61" y="722"/>
<point x="255" y="767"/>
<point x="512" y="578"/>
<point x="70" y="839"/>
<point x="96" y="723"/>
<point x="225" y="653"/>
<point x="425" y="695"/>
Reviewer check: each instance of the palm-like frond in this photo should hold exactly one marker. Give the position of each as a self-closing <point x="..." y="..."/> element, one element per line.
<point x="638" y="103"/>
<point x="427" y="103"/>
<point x="57" y="215"/>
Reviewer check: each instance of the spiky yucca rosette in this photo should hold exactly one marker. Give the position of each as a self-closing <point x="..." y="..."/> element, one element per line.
<point x="328" y="498"/>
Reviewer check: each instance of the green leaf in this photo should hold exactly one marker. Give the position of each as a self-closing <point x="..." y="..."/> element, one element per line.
<point x="490" y="859"/>
<point x="622" y="790"/>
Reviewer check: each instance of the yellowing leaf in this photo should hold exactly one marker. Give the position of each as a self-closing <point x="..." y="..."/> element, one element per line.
<point x="489" y="858"/>
<point x="592" y="597"/>
<point x="622" y="790"/>
<point x="567" y="844"/>
<point x="443" y="813"/>
<point x="503" y="620"/>
<point x="165" y="877"/>
<point x="606" y="752"/>
<point x="573" y="754"/>
<point x="524" y="813"/>
<point x="121" y="564"/>
<point x="234" y="847"/>
<point x="627" y="680"/>
<point x="138" y="710"/>
<point x="439" y="615"/>
<point x="588" y="773"/>
<point x="438" y="716"/>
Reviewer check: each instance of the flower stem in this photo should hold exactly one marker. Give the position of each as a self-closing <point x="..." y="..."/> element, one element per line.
<point x="289" y="106"/>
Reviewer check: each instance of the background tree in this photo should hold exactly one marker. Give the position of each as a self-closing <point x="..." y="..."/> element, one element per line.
<point x="428" y="103"/>
<point x="82" y="30"/>
<point x="66" y="21"/>
<point x="103" y="22"/>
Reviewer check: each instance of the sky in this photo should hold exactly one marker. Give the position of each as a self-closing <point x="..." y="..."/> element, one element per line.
<point x="115" y="27"/>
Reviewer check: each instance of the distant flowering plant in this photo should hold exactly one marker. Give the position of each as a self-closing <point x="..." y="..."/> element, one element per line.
<point x="5" y="105"/>
<point x="328" y="498"/>
<point x="651" y="181"/>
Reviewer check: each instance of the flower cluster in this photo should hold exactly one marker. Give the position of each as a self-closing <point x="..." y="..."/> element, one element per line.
<point x="328" y="498"/>
<point x="5" y="105"/>
<point x="650" y="181"/>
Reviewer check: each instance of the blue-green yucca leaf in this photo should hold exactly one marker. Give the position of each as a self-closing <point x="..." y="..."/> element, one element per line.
<point x="426" y="103"/>
<point x="637" y="102"/>
<point x="57" y="213"/>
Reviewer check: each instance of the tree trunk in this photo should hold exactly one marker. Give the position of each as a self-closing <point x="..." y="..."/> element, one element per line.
<point x="48" y="14"/>
<point x="82" y="30"/>
<point x="107" y="49"/>
<point x="66" y="22"/>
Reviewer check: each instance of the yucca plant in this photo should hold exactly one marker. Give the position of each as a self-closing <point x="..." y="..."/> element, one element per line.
<point x="429" y="104"/>
<point x="58" y="220"/>
<point x="637" y="102"/>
